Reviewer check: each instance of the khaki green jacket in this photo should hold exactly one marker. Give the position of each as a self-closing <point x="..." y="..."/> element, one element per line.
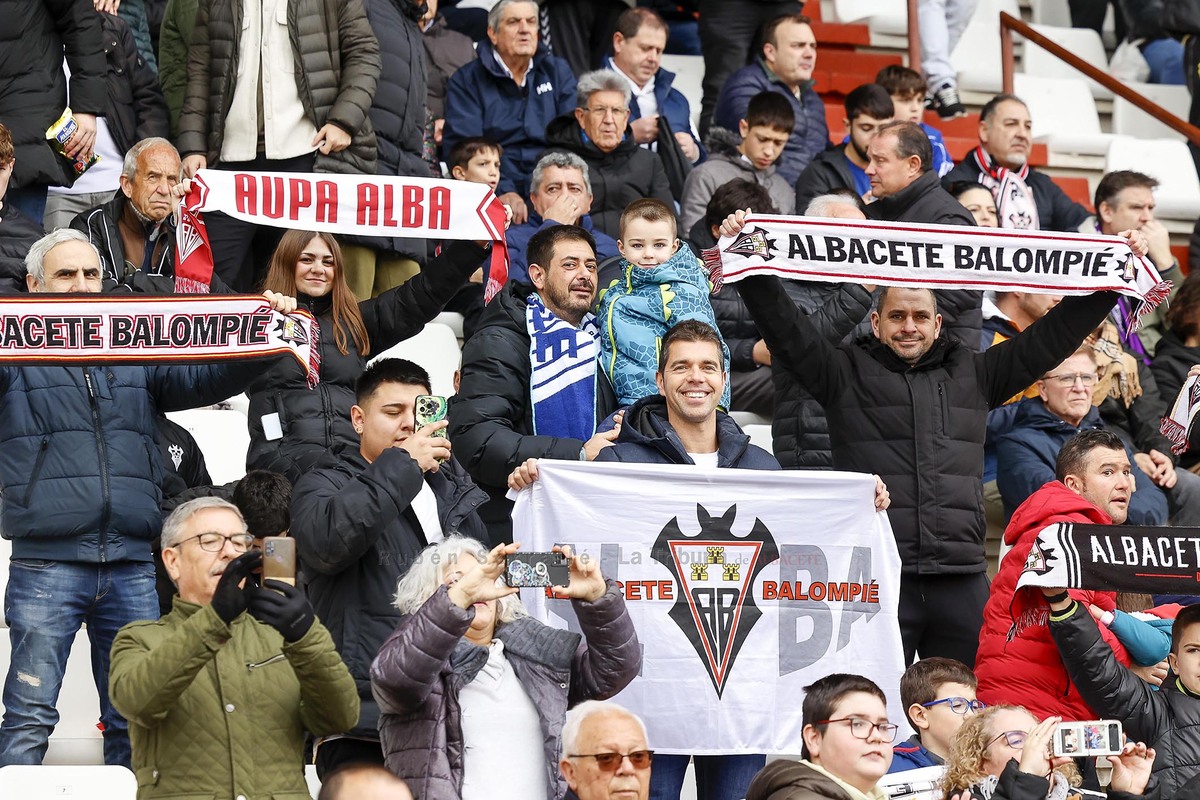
<point x="220" y="711"/>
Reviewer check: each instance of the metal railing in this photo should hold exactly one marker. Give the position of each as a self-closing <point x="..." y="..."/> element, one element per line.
<point x="1010" y="24"/>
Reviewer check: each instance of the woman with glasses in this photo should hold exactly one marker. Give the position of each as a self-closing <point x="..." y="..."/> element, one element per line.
<point x="473" y="692"/>
<point x="847" y="745"/>
<point x="1003" y="753"/>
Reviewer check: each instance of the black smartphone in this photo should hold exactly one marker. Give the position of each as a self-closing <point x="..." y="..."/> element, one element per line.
<point x="525" y="570"/>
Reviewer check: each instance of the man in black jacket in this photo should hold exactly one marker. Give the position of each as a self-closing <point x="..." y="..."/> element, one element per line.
<point x="361" y="519"/>
<point x="492" y="417"/>
<point x="911" y="405"/>
<point x="1001" y="163"/>
<point x="868" y="108"/>
<point x="906" y="189"/>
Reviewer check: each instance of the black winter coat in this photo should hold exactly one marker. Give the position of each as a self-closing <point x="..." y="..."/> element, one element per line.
<point x="628" y="173"/>
<point x="919" y="427"/>
<point x="398" y="110"/>
<point x="925" y="201"/>
<point x="1056" y="211"/>
<point x="1172" y="360"/>
<point x="1166" y="718"/>
<point x="491" y="418"/>
<point x="445" y="51"/>
<point x="337" y="66"/>
<point x="33" y="86"/>
<point x="356" y="535"/>
<point x="647" y="437"/>
<point x="136" y="108"/>
<point x="827" y="172"/>
<point x="1181" y="17"/>
<point x="314" y="420"/>
<point x="17" y="234"/>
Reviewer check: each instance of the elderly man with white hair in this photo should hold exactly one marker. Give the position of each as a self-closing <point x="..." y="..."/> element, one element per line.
<point x="82" y="485"/>
<point x="605" y="753"/>
<point x="473" y="691"/>
<point x="598" y="132"/>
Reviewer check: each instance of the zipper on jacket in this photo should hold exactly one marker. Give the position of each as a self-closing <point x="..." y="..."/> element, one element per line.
<point x="272" y="660"/>
<point x="104" y="487"/>
<point x="37" y="469"/>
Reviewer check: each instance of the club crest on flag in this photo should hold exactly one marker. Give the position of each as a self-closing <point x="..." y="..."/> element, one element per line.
<point x="291" y="332"/>
<point x="1128" y="272"/>
<point x="715" y="571"/>
<point x="753" y="242"/>
<point x="1040" y="560"/>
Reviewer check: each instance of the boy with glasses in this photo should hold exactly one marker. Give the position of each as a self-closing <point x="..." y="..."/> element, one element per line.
<point x="846" y="736"/>
<point x="938" y="695"/>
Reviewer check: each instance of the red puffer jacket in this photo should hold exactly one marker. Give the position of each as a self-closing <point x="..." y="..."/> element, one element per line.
<point x="1018" y="662"/>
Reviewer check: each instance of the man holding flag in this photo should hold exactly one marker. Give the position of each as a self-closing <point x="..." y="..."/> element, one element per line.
<point x="911" y="405"/>
<point x="81" y="474"/>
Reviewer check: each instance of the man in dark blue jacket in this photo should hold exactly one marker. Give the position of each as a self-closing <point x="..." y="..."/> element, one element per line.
<point x="638" y="46"/>
<point x="82" y="474"/>
<point x="510" y="94"/>
<point x="789" y="55"/>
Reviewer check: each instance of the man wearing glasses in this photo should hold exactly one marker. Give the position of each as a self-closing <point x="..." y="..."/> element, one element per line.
<point x="1025" y="456"/>
<point x="219" y="693"/>
<point x="606" y="756"/>
<point x="620" y="171"/>
<point x="847" y="744"/>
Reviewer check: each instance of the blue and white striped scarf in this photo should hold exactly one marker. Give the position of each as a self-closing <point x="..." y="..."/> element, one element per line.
<point x="562" y="386"/>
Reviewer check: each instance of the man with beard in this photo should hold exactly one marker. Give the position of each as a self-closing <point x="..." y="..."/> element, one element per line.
<point x="868" y="108"/>
<point x="531" y="385"/>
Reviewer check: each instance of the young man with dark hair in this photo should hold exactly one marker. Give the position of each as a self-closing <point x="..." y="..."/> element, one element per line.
<point x="938" y="694"/>
<point x="868" y="109"/>
<point x="362" y="517"/>
<point x="507" y="410"/>
<point x="845" y="750"/>
<point x="265" y="500"/>
<point x="751" y="155"/>
<point x="785" y="66"/>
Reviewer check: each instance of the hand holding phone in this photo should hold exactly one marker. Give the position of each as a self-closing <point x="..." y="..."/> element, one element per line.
<point x="540" y="570"/>
<point x="1092" y="738"/>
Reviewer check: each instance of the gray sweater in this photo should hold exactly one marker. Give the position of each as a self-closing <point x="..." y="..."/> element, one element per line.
<point x="725" y="164"/>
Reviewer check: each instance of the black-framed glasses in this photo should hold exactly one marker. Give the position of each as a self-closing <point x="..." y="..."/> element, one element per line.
<point x="959" y="705"/>
<point x="609" y="762"/>
<point x="1014" y="739"/>
<point x="215" y="542"/>
<point x="861" y="728"/>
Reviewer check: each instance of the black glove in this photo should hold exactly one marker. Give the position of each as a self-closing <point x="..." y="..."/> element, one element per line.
<point x="284" y="608"/>
<point x="230" y="599"/>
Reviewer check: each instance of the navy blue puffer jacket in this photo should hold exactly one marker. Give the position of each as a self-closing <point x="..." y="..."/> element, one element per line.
<point x="80" y="473"/>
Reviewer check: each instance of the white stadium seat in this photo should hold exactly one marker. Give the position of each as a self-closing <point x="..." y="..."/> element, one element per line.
<point x="760" y="435"/>
<point x="1064" y="114"/>
<point x="689" y="77"/>
<point x="436" y="349"/>
<point x="1083" y="42"/>
<point x="976" y="59"/>
<point x="1129" y="120"/>
<point x="1169" y="162"/>
<point x="881" y="16"/>
<point x="223" y="438"/>
<point x="55" y="782"/>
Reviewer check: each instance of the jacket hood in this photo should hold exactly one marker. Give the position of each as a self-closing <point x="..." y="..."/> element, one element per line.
<point x="646" y="424"/>
<point x="885" y="355"/>
<point x="793" y="779"/>
<point x="723" y="142"/>
<point x="507" y="309"/>
<point x="1048" y="504"/>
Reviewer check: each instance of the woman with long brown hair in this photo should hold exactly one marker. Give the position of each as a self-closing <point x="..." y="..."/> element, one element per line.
<point x="292" y="425"/>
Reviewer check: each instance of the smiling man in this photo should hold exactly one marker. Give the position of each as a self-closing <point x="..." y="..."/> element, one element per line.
<point x="1025" y="198"/>
<point x="361" y="519"/>
<point x="1018" y="662"/>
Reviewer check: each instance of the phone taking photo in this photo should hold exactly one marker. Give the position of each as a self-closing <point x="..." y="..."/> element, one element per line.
<point x="1102" y="737"/>
<point x="536" y="570"/>
<point x="279" y="559"/>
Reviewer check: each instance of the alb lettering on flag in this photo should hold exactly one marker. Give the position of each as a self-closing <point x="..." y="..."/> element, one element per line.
<point x="363" y="205"/>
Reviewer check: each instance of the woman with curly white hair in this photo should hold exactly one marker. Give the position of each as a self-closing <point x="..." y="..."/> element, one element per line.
<point x="473" y="691"/>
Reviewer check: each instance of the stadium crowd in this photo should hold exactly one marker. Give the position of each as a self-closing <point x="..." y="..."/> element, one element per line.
<point x="397" y="659"/>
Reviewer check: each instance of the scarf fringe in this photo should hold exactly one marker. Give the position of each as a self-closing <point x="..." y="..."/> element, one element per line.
<point x="1176" y="433"/>
<point x="1161" y="293"/>
<point x="314" y="354"/>
<point x="190" y="286"/>
<point x="712" y="262"/>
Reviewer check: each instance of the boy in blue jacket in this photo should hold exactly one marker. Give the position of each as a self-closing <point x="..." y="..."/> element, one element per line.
<point x="907" y="88"/>
<point x="661" y="284"/>
<point x="937" y="694"/>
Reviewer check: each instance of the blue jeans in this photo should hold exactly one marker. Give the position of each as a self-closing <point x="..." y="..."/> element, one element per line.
<point x="1165" y="57"/>
<point x="44" y="606"/>
<point x="717" y="777"/>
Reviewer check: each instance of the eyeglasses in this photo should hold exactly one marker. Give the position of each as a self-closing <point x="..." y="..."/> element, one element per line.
<point x="609" y="762"/>
<point x="215" y="542"/>
<point x="604" y="111"/>
<point x="1015" y="739"/>
<point x="959" y="705"/>
<point x="862" y="728"/>
<point x="1087" y="378"/>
